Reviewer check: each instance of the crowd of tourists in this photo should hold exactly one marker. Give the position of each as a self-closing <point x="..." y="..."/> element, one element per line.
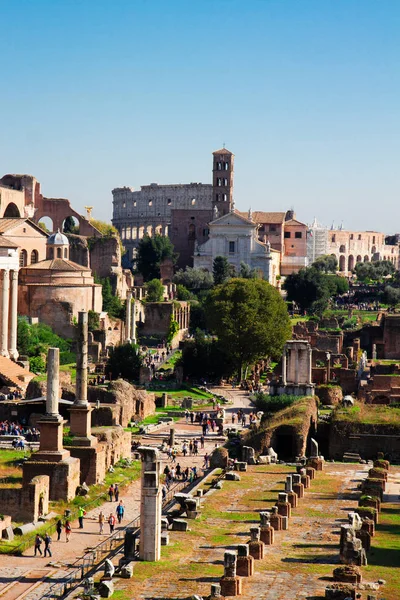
<point x="31" y="434"/>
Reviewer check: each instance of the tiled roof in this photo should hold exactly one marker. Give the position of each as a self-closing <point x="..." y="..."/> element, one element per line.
<point x="6" y="224"/>
<point x="13" y="374"/>
<point x="294" y="222"/>
<point x="259" y="216"/>
<point x="57" y="264"/>
<point x="223" y="151"/>
<point x="5" y="243"/>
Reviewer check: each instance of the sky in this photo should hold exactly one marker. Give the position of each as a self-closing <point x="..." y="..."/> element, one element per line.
<point x="109" y="93"/>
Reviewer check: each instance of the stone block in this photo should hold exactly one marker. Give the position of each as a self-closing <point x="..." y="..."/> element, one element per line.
<point x="164" y="538"/>
<point x="369" y="526"/>
<point x="256" y="550"/>
<point x="340" y="591"/>
<point x="347" y="574"/>
<point x="276" y="522"/>
<point x="285" y="523"/>
<point x="231" y="476"/>
<point x="305" y="480"/>
<point x="264" y="460"/>
<point x="8" y="534"/>
<point x="316" y="463"/>
<point x="180" y="525"/>
<point x="240" y="466"/>
<point x="267" y="535"/>
<point x="310" y="471"/>
<point x="298" y="489"/>
<point x="106" y="588"/>
<point x="245" y="566"/>
<point x="231" y="586"/>
<point x="292" y="499"/>
<point x="126" y="571"/>
<point x="284" y="509"/>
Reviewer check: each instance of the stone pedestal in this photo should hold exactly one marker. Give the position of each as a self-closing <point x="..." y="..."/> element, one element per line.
<point x="305" y="480"/>
<point x="369" y="526"/>
<point x="298" y="487"/>
<point x="231" y="584"/>
<point x="276" y="519"/>
<point x="80" y="424"/>
<point x="245" y="562"/>
<point x="316" y="463"/>
<point x="267" y="534"/>
<point x="284" y="508"/>
<point x="310" y="472"/>
<point x="256" y="546"/>
<point x="292" y="499"/>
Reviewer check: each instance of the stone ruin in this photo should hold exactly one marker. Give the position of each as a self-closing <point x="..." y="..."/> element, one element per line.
<point x="316" y="461"/>
<point x="150" y="505"/>
<point x="245" y="562"/>
<point x="231" y="584"/>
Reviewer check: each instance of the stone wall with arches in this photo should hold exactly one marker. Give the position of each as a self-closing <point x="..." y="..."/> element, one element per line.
<point x="352" y="247"/>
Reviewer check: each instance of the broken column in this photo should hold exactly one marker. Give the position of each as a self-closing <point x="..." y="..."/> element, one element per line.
<point x="133" y="322"/>
<point x="297" y="486"/>
<point x="171" y="440"/>
<point x="276" y="519"/>
<point x="245" y="562"/>
<point x="305" y="479"/>
<point x="231" y="584"/>
<point x="150" y="505"/>
<point x="256" y="546"/>
<point x="351" y="550"/>
<point x="284" y="508"/>
<point x="266" y="529"/>
<point x="292" y="496"/>
<point x="316" y="461"/>
<point x="59" y="465"/>
<point x="80" y="419"/>
<point x="248" y="455"/>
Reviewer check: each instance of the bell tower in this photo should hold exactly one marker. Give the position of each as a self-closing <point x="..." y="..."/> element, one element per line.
<point x="222" y="181"/>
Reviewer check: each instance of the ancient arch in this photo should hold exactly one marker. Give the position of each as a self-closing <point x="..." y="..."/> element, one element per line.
<point x="342" y="248"/>
<point x="12" y="211"/>
<point x="373" y="249"/>
<point x="71" y="225"/>
<point x="34" y="257"/>
<point x="350" y="264"/>
<point x="342" y="263"/>
<point x="359" y="259"/>
<point x="366" y="258"/>
<point x="46" y="223"/>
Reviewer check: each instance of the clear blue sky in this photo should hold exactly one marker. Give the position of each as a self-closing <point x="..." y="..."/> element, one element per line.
<point x="100" y="94"/>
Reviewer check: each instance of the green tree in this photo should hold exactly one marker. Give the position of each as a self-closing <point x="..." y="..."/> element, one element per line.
<point x="93" y="320"/>
<point x="69" y="226"/>
<point x="246" y="272"/>
<point x="182" y="293"/>
<point x="392" y="296"/>
<point x="307" y="287"/>
<point x="327" y="263"/>
<point x="124" y="361"/>
<point x="155" y="291"/>
<point x="150" y="254"/>
<point x="194" y="279"/>
<point x="106" y="229"/>
<point x="250" y="319"/>
<point x="205" y="357"/>
<point x="221" y="270"/>
<point x="112" y="304"/>
<point x="374" y="271"/>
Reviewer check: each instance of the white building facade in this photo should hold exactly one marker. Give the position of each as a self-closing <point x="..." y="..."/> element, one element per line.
<point x="236" y="238"/>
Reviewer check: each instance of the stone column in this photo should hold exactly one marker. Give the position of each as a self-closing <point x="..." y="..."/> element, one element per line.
<point x="80" y="418"/>
<point x="284" y="359"/>
<point x="150" y="505"/>
<point x="296" y="365"/>
<point x="14" y="315"/>
<point x="309" y="365"/>
<point x="128" y="315"/>
<point x="4" y="312"/>
<point x="133" y="322"/>
<point x="53" y="382"/>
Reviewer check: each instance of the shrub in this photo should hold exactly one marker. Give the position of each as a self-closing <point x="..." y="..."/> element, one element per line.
<point x="272" y="404"/>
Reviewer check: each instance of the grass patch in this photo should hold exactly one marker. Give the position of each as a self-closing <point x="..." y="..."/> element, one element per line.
<point x="367" y="414"/>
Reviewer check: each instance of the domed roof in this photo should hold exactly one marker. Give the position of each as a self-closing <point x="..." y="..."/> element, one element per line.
<point x="57" y="239"/>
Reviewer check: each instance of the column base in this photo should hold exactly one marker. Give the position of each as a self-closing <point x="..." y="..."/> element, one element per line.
<point x="13" y="354"/>
<point x="5" y="353"/>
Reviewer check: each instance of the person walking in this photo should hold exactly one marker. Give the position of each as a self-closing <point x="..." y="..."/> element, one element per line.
<point x="101" y="522"/>
<point x="67" y="530"/>
<point x="38" y="543"/>
<point x="59" y="527"/>
<point x="47" y="543"/>
<point x="111" y="522"/>
<point x="81" y="514"/>
<point x="116" y="492"/>
<point x="120" y="511"/>
<point x="111" y="492"/>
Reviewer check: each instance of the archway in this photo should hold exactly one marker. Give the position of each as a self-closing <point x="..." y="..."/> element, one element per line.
<point x="350" y="263"/>
<point x="366" y="258"/>
<point x="34" y="257"/>
<point x="46" y="223"/>
<point x="359" y="259"/>
<point x="342" y="263"/>
<point x="342" y="248"/>
<point x="12" y="211"/>
<point x="70" y="225"/>
<point x="23" y="258"/>
<point x="284" y="442"/>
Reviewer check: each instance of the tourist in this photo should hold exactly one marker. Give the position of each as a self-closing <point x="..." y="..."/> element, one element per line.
<point x="120" y="511"/>
<point x="111" y="492"/>
<point x="187" y="415"/>
<point x="202" y="442"/>
<point x="205" y="465"/>
<point x="164" y="492"/>
<point x="184" y="448"/>
<point x="178" y="471"/>
<point x="67" y="530"/>
<point x="111" y="522"/>
<point x="191" y="417"/>
<point x="190" y="448"/>
<point x="233" y="418"/>
<point x="47" y="542"/>
<point x="81" y="514"/>
<point x="195" y="447"/>
<point x="59" y="527"/>
<point x="38" y="543"/>
<point x="116" y="492"/>
<point x="101" y="522"/>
